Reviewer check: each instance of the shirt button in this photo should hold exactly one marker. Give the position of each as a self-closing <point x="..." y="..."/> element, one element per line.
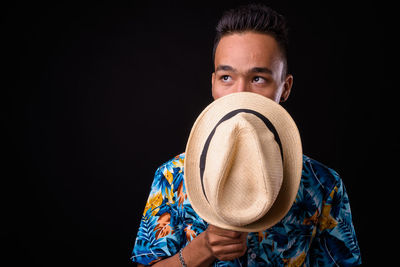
<point x="253" y="255"/>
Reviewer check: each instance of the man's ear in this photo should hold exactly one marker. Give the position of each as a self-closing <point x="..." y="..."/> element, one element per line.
<point x="212" y="79"/>
<point x="287" y="88"/>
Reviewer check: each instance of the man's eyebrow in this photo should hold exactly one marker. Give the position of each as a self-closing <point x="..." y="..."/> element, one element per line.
<point x="252" y="70"/>
<point x="225" y="67"/>
<point x="260" y="70"/>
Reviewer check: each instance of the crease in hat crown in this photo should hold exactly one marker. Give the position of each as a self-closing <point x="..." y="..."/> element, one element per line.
<point x="241" y="186"/>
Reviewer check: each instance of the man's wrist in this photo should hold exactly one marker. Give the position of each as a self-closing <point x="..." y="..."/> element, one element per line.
<point x="198" y="253"/>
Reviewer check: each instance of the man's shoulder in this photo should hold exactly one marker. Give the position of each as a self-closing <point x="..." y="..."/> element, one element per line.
<point x="311" y="167"/>
<point x="322" y="175"/>
<point x="175" y="162"/>
<point x="314" y="172"/>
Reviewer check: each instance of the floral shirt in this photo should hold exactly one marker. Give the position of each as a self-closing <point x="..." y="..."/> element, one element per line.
<point x="317" y="230"/>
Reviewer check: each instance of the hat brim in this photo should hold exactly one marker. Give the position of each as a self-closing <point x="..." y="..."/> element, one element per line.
<point x="292" y="157"/>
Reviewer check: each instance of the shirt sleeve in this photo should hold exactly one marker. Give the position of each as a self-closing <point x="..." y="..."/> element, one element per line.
<point x="160" y="233"/>
<point x="335" y="243"/>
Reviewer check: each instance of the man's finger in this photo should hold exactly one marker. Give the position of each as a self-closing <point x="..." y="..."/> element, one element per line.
<point x="215" y="240"/>
<point x="224" y="232"/>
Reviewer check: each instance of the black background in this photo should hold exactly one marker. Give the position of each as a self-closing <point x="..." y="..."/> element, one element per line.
<point x="98" y="95"/>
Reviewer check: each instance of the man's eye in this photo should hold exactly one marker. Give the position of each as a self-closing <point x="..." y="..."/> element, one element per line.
<point x="226" y="78"/>
<point x="259" y="79"/>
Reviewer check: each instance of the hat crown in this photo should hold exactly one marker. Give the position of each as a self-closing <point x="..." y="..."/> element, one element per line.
<point x="244" y="170"/>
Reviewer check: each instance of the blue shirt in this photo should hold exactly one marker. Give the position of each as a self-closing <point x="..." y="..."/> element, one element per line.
<point x="317" y="230"/>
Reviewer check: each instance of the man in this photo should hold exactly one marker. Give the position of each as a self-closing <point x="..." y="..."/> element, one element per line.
<point x="249" y="55"/>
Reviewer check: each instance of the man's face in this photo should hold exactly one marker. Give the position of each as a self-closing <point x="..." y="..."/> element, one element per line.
<point x="250" y="62"/>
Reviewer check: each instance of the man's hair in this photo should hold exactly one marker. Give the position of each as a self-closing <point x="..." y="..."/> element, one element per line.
<point x="257" y="18"/>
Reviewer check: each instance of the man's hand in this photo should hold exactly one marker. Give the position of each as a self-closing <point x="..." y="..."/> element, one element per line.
<point x="214" y="243"/>
<point x="225" y="245"/>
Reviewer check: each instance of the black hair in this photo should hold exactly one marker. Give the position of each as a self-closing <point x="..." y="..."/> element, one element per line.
<point x="257" y="18"/>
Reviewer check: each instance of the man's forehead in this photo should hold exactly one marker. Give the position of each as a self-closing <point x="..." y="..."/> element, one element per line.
<point x="247" y="50"/>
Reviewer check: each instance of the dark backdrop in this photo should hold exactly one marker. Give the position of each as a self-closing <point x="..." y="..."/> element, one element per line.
<point x="98" y="95"/>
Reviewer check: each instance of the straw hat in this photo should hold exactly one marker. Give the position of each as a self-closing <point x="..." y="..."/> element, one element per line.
<point x="243" y="163"/>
